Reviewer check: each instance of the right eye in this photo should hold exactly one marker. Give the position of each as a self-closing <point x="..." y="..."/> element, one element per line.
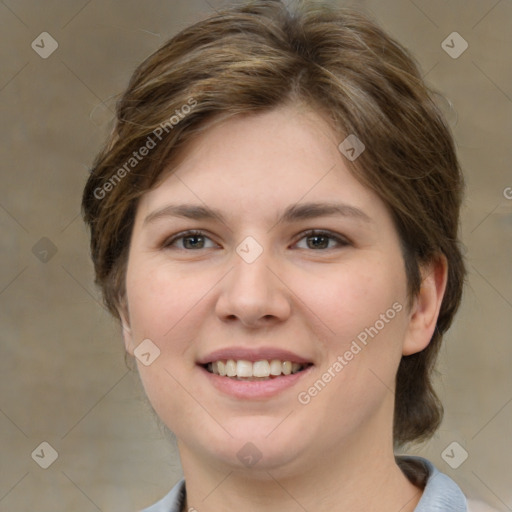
<point x="188" y="240"/>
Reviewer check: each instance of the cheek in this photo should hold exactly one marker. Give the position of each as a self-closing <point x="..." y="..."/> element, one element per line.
<point x="363" y="320"/>
<point x="159" y="301"/>
<point x="363" y="324"/>
<point x="349" y="301"/>
<point x="162" y="307"/>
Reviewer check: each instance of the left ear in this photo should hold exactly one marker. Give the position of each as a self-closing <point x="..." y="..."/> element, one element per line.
<point x="426" y="306"/>
<point x="124" y="316"/>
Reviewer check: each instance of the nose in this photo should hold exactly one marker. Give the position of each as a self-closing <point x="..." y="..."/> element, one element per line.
<point x="253" y="294"/>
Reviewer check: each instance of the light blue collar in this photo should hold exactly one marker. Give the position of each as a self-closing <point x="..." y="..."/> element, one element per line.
<point x="441" y="493"/>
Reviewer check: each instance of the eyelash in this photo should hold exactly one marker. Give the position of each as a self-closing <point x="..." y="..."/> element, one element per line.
<point x="341" y="241"/>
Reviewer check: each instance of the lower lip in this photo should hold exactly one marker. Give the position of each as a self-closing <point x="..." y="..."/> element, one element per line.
<point x="255" y="389"/>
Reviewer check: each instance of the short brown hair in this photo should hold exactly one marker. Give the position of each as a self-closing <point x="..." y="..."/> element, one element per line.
<point x="254" y="58"/>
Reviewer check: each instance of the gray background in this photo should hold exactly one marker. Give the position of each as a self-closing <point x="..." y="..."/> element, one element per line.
<point x="63" y="379"/>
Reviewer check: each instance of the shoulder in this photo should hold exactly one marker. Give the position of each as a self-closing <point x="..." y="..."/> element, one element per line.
<point x="440" y="492"/>
<point x="172" y="502"/>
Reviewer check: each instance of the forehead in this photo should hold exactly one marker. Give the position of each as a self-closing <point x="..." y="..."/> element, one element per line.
<point x="259" y="162"/>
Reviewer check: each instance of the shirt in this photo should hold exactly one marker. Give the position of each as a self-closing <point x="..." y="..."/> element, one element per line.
<point x="440" y="492"/>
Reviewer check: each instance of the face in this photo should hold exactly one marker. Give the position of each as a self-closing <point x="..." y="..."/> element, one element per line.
<point x="261" y="254"/>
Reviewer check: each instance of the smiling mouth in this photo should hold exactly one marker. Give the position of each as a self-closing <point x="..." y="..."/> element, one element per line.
<point x="264" y="369"/>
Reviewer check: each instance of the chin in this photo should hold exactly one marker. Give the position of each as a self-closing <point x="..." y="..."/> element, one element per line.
<point x="255" y="450"/>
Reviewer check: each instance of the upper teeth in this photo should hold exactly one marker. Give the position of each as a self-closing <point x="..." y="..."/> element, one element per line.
<point x="244" y="368"/>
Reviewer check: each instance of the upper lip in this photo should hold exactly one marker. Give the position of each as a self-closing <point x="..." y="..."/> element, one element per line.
<point x="251" y="354"/>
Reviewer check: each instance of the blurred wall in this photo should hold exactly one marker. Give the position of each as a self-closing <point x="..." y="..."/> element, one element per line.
<point x="62" y="372"/>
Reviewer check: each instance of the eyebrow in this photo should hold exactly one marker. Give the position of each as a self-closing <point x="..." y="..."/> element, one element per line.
<point x="293" y="213"/>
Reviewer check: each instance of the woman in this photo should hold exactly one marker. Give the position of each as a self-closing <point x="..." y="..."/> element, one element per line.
<point x="274" y="221"/>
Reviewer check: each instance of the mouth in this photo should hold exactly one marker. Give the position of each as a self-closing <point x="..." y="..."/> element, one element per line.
<point x="261" y="370"/>
<point x="255" y="374"/>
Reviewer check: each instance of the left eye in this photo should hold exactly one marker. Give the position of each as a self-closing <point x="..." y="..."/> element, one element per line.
<point x="322" y="240"/>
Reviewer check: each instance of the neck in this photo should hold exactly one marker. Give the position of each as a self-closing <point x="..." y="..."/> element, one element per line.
<point x="358" y="479"/>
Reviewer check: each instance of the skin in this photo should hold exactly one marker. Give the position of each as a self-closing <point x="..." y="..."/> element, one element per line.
<point x="334" y="453"/>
